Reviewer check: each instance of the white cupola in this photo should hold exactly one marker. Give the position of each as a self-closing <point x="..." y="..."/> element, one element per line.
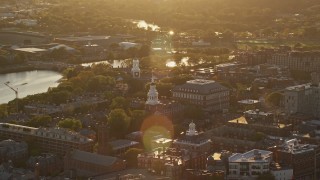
<point x="153" y="93"/>
<point x="192" y="130"/>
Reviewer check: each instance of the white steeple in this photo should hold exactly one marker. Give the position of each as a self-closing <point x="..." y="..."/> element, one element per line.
<point x="153" y="93"/>
<point x="192" y="129"/>
<point x="135" y="68"/>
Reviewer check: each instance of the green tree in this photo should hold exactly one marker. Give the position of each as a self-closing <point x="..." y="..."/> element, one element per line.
<point x="40" y="121"/>
<point x="258" y="136"/>
<point x="3" y="110"/>
<point x="68" y="123"/>
<point x="274" y="98"/>
<point x="131" y="156"/>
<point x="119" y="123"/>
<point x="119" y="103"/>
<point x="100" y="83"/>
<point x="137" y="117"/>
<point x="58" y="97"/>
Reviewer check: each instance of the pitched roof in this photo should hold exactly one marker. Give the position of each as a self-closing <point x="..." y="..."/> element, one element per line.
<point x="93" y="158"/>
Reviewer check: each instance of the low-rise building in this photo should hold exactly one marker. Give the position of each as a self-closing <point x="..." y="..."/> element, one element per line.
<point x="171" y="162"/>
<point x="120" y="146"/>
<point x="90" y="164"/>
<point x="281" y="172"/>
<point x="193" y="140"/>
<point x="301" y="157"/>
<point x="12" y="150"/>
<point x="47" y="164"/>
<point x="249" y="165"/>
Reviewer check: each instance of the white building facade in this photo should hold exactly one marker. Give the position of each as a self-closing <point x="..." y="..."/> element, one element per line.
<point x="249" y="165"/>
<point x="135" y="68"/>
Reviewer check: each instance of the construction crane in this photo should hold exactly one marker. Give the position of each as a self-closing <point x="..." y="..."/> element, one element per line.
<point x="16" y="92"/>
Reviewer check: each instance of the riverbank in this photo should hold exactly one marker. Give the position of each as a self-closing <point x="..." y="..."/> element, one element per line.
<point x="27" y="83"/>
<point x="32" y="66"/>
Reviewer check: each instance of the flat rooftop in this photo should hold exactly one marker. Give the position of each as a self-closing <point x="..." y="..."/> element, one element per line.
<point x="200" y="81"/>
<point x="83" y="38"/>
<point x="299" y="87"/>
<point x="31" y="50"/>
<point x="255" y="155"/>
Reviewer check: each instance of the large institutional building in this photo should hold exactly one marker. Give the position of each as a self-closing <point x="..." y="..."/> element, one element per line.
<point x="303" y="98"/>
<point x="208" y="94"/>
<point x="54" y="140"/>
<point x="303" y="61"/>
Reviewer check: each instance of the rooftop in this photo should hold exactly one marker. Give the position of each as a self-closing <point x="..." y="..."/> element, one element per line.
<point x="122" y="143"/>
<point x="293" y="146"/>
<point x="254" y="155"/>
<point x="31" y="50"/>
<point x="84" y="38"/>
<point x="52" y="133"/>
<point x="201" y="86"/>
<point x="200" y="81"/>
<point x="299" y="87"/>
<point x="93" y="158"/>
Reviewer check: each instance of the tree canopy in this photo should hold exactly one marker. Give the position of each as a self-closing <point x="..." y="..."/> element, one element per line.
<point x="73" y="124"/>
<point x="119" y="122"/>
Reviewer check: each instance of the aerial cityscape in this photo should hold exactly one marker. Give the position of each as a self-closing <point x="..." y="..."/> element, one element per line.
<point x="159" y="89"/>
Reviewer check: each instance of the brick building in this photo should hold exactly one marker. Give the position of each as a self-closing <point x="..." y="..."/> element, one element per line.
<point x="90" y="164"/>
<point x="171" y="162"/>
<point x="301" y="157"/>
<point x="54" y="140"/>
<point x="208" y="94"/>
<point x="193" y="141"/>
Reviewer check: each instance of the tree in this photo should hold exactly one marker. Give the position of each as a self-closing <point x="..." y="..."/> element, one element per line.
<point x="58" y="97"/>
<point x="3" y="110"/>
<point x="274" y="98"/>
<point x="258" y="136"/>
<point x="143" y="51"/>
<point x="119" y="122"/>
<point x="100" y="83"/>
<point x="40" y="121"/>
<point x="119" y="103"/>
<point x="137" y="117"/>
<point x="73" y="124"/>
<point x="131" y="156"/>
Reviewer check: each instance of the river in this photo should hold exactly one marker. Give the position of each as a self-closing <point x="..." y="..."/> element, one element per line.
<point x="114" y="63"/>
<point x="27" y="83"/>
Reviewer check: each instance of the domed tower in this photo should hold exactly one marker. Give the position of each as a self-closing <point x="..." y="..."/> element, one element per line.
<point x="192" y="130"/>
<point x="152" y="101"/>
<point x="135" y="68"/>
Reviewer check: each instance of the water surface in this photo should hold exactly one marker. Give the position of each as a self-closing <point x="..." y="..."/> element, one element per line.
<point x="27" y="83"/>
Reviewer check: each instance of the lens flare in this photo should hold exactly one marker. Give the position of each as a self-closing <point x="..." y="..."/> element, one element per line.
<point x="154" y="127"/>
